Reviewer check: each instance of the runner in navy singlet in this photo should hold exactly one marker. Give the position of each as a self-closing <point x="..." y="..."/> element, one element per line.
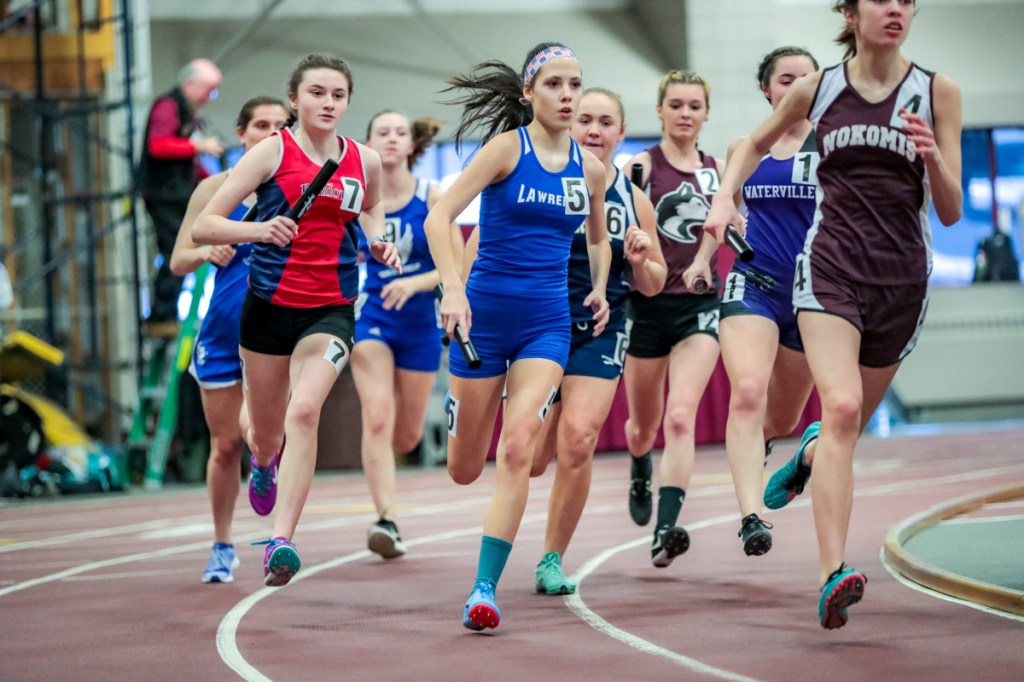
<point x="537" y="187"/>
<point x="761" y="348"/>
<point x="297" y="321"/>
<point x="675" y="333"/>
<point x="888" y="133"/>
<point x="595" y="362"/>
<point x="215" y="362"/>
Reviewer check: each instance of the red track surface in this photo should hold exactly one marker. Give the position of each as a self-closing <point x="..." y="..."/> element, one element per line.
<point x="108" y="588"/>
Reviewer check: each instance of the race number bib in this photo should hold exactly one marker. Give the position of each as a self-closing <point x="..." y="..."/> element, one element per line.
<point x="576" y="196"/>
<point x="708" y="180"/>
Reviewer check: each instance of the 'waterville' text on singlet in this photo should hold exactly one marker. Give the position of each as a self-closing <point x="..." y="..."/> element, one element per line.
<point x="779" y="191"/>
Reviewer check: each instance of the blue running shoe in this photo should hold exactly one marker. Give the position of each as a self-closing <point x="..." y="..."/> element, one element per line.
<point x="280" y="562"/>
<point x="843" y="589"/>
<point x="789" y="481"/>
<point x="481" y="611"/>
<point x="263" y="485"/>
<point x="222" y="562"/>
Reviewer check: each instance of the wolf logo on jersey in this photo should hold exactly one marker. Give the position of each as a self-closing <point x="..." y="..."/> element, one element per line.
<point x="681" y="213"/>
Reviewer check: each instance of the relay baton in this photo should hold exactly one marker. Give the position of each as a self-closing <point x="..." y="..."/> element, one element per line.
<point x="465" y="343"/>
<point x="636" y="175"/>
<point x="738" y="244"/>
<point x="251" y="214"/>
<point x="313" y="190"/>
<point x="700" y="285"/>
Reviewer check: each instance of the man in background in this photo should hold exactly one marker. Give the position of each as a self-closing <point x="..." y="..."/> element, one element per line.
<point x="168" y="172"/>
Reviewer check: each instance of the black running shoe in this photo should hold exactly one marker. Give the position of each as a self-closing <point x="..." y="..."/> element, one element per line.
<point x="640" y="499"/>
<point x="641" y="503"/>
<point x="668" y="544"/>
<point x="384" y="539"/>
<point x="754" y="533"/>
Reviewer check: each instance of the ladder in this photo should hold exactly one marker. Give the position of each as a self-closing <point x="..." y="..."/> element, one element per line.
<point x="158" y="391"/>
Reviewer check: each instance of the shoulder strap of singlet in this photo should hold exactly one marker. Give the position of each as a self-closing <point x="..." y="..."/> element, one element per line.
<point x="810" y="143"/>
<point x="422" y="189"/>
<point x="624" y="188"/>
<point x="524" y="138"/>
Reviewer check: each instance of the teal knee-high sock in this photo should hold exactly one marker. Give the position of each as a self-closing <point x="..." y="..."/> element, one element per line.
<point x="493" y="555"/>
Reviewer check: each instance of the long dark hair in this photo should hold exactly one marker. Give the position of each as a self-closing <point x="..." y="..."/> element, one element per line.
<point x="249" y="108"/>
<point x="493" y="102"/>
<point x="767" y="66"/>
<point x="846" y="38"/>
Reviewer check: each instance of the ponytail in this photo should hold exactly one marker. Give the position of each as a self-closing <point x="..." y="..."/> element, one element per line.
<point x="492" y="104"/>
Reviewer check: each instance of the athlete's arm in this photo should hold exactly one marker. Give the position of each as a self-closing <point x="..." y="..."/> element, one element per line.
<point x="493" y="162"/>
<point x="794" y="107"/>
<point x="940" y="148"/>
<point x="187" y="256"/>
<point x="371" y="217"/>
<point x="254" y="168"/>
<point x="648" y="270"/>
<point x="599" y="250"/>
<point x="733" y="146"/>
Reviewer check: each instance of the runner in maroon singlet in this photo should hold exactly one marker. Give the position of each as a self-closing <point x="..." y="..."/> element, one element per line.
<point x="888" y="134"/>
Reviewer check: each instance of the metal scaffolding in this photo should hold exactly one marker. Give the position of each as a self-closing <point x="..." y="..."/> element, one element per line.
<point x="70" y="235"/>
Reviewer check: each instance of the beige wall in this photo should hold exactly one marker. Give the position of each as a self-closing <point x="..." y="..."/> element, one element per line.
<point x="401" y="63"/>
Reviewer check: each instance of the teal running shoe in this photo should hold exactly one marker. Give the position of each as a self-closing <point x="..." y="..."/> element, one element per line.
<point x="789" y="481"/>
<point x="280" y="562"/>
<point x="223" y="562"/>
<point x="481" y="611"/>
<point x="549" y="576"/>
<point x="843" y="589"/>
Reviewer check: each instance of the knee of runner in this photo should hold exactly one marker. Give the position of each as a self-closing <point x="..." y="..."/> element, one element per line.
<point x="463" y="475"/>
<point x="679" y="420"/>
<point x="303" y="414"/>
<point x="406" y="440"/>
<point x="749" y="395"/>
<point x="226" y="451"/>
<point x="843" y="411"/>
<point x="578" y="444"/>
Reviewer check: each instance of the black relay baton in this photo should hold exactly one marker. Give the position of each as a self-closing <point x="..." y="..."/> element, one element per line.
<point x="738" y="244"/>
<point x="313" y="190"/>
<point x="636" y="175"/>
<point x="469" y="353"/>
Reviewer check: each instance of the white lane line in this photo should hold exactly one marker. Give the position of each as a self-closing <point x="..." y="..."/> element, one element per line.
<point x="227" y="631"/>
<point x="576" y="605"/>
<point x="906" y="582"/>
<point x="586" y="614"/>
<point x="100" y="533"/>
<point x="194" y="546"/>
<point x="129" y="574"/>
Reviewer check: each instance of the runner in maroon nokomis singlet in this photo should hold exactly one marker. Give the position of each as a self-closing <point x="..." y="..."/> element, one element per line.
<point x="888" y="134"/>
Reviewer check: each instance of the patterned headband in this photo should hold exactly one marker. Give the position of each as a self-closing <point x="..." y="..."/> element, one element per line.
<point x="543" y="57"/>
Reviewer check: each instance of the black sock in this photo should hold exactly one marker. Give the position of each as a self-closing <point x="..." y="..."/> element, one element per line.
<point x="642" y="467"/>
<point x="670" y="503"/>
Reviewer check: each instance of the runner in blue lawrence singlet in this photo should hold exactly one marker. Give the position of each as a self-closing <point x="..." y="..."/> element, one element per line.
<point x="536" y="186"/>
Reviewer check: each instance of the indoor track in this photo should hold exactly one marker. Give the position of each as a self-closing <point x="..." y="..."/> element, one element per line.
<point x="108" y="587"/>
